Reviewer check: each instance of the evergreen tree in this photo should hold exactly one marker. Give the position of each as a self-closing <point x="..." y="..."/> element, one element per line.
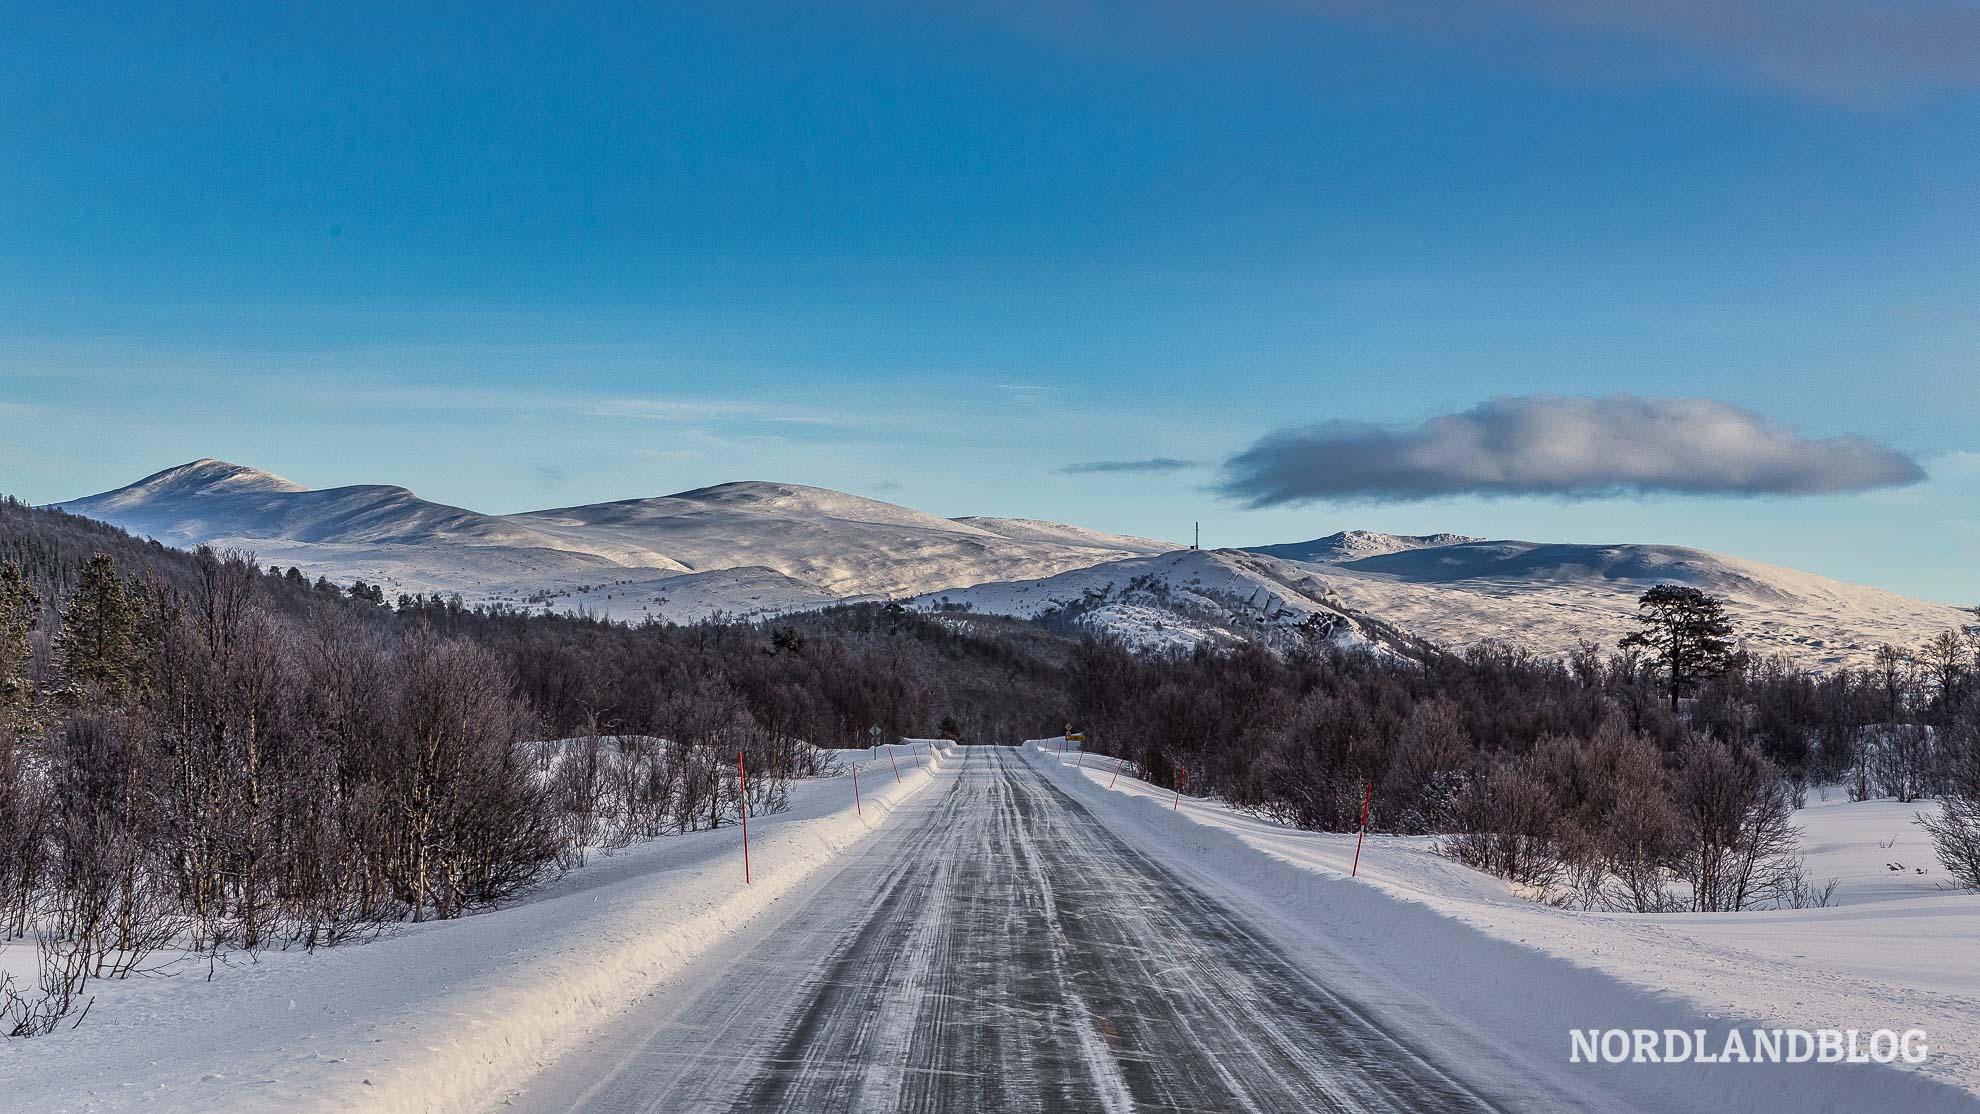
<point x="97" y="645"/>
<point x="1687" y="631"/>
<point x="20" y="613"/>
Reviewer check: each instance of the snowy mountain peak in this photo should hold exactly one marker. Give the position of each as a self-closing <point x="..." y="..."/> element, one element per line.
<point x="767" y="497"/>
<point x="200" y="477"/>
<point x="1178" y="600"/>
<point x="1353" y="545"/>
<point x="216" y="502"/>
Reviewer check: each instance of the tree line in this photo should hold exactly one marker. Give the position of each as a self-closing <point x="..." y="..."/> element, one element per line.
<point x="200" y="754"/>
<point x="1658" y="774"/>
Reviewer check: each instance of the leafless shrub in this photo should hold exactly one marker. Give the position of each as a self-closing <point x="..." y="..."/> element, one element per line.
<point x="1640" y="836"/>
<point x="1739" y="843"/>
<point x="578" y="790"/>
<point x="1902" y="760"/>
<point x="1955" y="829"/>
<point x="63" y="970"/>
<point x="1798" y="891"/>
<point x="1510" y="823"/>
<point x="1955" y="833"/>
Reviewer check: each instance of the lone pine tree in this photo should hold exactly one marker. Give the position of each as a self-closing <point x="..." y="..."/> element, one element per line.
<point x="1688" y="632"/>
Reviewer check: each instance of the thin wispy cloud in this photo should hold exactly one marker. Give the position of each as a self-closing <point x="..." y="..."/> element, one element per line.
<point x="1828" y="49"/>
<point x="1572" y="447"/>
<point x="642" y="453"/>
<point x="1025" y="393"/>
<point x="662" y="410"/>
<point x="1837" y="51"/>
<point x="679" y="410"/>
<point x="1151" y="464"/>
<point x="1959" y="463"/>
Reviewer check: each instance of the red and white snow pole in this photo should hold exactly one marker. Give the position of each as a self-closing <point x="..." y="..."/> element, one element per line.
<point x="1365" y="798"/>
<point x="890" y="761"/>
<point x="1180" y="771"/>
<point x="1117" y="771"/>
<point x="743" y="776"/>
<point x="857" y="808"/>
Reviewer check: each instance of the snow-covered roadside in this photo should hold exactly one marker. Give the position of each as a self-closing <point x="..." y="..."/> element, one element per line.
<point x="444" y="1016"/>
<point x="1445" y="952"/>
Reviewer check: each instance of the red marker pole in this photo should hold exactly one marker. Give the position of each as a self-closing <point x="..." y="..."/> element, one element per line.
<point x="1369" y="796"/>
<point x="1117" y="771"/>
<point x="891" y="762"/>
<point x="1180" y="771"/>
<point x="743" y="775"/>
<point x="856" y="805"/>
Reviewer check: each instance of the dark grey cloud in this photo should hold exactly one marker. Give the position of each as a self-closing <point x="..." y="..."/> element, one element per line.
<point x="1575" y="447"/>
<point x="1152" y="464"/>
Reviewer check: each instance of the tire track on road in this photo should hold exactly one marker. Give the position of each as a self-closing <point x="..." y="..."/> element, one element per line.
<point x="1003" y="950"/>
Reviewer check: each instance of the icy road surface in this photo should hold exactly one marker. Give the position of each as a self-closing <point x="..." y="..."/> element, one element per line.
<point x="1000" y="949"/>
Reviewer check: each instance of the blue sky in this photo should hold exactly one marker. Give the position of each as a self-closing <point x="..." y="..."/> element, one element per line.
<point x="939" y="253"/>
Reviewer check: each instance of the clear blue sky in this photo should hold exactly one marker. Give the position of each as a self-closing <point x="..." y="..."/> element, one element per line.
<point x="937" y="253"/>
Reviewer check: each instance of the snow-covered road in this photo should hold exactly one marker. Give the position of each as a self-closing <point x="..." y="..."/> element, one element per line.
<point x="999" y="947"/>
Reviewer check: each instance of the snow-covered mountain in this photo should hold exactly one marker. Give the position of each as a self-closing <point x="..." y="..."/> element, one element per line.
<point x="755" y="548"/>
<point x="212" y="499"/>
<point x="845" y="545"/>
<point x="1549" y="596"/>
<point x="1457" y="591"/>
<point x="1351" y="545"/>
<point x="737" y="547"/>
<point x="1175" y="601"/>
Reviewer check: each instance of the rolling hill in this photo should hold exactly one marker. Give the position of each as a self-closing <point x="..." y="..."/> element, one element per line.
<point x="740" y="548"/>
<point x="754" y="548"/>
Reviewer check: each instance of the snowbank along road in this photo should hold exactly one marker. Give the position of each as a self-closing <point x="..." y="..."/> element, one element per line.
<point x="1000" y="948"/>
